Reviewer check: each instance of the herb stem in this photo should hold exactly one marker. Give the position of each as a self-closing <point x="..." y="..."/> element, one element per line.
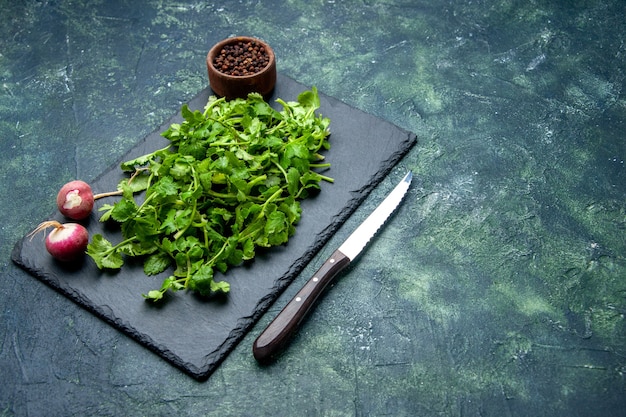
<point x="281" y="169"/>
<point x="326" y="165"/>
<point x="327" y="179"/>
<point x="269" y="200"/>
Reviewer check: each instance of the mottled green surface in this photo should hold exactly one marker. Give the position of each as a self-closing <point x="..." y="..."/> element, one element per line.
<point x="498" y="289"/>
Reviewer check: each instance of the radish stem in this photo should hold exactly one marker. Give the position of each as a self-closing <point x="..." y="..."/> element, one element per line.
<point x="118" y="192"/>
<point x="109" y="194"/>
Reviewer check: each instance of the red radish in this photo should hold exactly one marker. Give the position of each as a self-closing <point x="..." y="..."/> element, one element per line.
<point x="75" y="200"/>
<point x="67" y="242"/>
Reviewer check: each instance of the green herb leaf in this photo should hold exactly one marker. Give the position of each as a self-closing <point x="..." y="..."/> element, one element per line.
<point x="156" y="263"/>
<point x="104" y="253"/>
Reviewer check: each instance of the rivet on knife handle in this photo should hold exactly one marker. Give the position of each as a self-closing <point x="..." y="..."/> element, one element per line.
<point x="278" y="333"/>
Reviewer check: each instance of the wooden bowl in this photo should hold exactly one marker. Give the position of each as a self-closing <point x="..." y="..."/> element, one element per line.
<point x="241" y="65"/>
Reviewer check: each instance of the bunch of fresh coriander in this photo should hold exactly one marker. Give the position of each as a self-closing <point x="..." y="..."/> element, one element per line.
<point x="230" y="182"/>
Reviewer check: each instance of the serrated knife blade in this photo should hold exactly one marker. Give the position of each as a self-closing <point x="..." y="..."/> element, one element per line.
<point x="279" y="331"/>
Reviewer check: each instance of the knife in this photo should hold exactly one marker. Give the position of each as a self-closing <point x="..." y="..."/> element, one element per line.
<point x="278" y="332"/>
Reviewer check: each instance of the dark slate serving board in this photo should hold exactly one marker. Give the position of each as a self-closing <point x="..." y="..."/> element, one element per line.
<point x="363" y="150"/>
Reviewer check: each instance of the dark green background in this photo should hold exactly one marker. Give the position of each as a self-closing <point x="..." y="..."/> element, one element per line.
<point x="498" y="289"/>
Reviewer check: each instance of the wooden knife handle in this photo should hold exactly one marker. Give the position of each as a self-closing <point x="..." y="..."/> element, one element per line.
<point x="279" y="331"/>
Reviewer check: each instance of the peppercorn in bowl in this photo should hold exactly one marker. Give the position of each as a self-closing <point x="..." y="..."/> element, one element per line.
<point x="241" y="65"/>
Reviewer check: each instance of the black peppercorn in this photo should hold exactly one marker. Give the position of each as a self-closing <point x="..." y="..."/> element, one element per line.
<point x="241" y="58"/>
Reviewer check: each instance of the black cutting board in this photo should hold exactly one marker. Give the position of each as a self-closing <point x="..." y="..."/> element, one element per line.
<point x="363" y="150"/>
